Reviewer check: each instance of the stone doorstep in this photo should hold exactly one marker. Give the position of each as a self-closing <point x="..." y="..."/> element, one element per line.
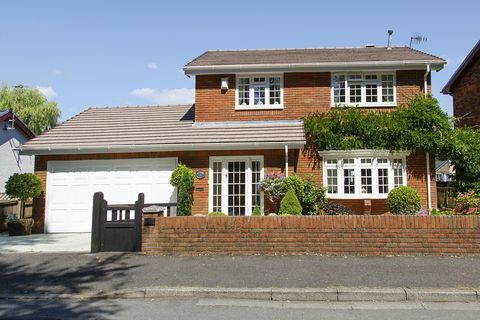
<point x="331" y="294"/>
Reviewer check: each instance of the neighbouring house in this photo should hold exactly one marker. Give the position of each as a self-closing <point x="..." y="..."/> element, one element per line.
<point x="13" y="133"/>
<point x="444" y="170"/>
<point x="464" y="87"/>
<point x="245" y="123"/>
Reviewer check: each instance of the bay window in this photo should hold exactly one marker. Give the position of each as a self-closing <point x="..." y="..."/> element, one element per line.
<point x="364" y="89"/>
<point x="259" y="92"/>
<point x="361" y="175"/>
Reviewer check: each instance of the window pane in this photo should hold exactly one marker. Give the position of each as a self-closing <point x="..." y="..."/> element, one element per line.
<point x="387" y="88"/>
<point x="259" y="95"/>
<point x="355" y="91"/>
<point x="332" y="161"/>
<point x="366" y="180"/>
<point x="371" y="92"/>
<point x="339" y="89"/>
<point x="383" y="180"/>
<point x="332" y="181"/>
<point x="398" y="172"/>
<point x="383" y="161"/>
<point x="348" y="161"/>
<point x="217" y="187"/>
<point x="370" y="77"/>
<point x="366" y="161"/>
<point x="275" y="91"/>
<point x="349" y="181"/>
<point x="244" y="91"/>
<point x="256" y="184"/>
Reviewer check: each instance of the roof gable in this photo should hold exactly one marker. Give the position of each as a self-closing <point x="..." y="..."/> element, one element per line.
<point x="6" y="115"/>
<point x="473" y="55"/>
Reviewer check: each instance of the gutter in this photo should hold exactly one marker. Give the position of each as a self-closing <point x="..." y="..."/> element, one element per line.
<point x="192" y="70"/>
<point x="68" y="149"/>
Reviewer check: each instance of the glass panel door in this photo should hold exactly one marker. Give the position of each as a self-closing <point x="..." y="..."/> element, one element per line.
<point x="236" y="188"/>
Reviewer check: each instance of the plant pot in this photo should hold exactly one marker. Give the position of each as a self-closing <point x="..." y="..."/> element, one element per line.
<point x="21" y="228"/>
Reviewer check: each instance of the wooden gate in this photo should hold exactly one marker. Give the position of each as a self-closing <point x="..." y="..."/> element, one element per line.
<point x="116" y="227"/>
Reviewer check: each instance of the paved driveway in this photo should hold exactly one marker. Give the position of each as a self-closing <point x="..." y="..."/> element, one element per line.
<point x="54" y="242"/>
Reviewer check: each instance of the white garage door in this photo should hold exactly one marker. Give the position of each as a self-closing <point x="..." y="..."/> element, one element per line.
<point x="71" y="185"/>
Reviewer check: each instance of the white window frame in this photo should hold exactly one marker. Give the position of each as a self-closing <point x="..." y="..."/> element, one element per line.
<point x="251" y="105"/>
<point x="363" y="82"/>
<point x="248" y="181"/>
<point x="357" y="155"/>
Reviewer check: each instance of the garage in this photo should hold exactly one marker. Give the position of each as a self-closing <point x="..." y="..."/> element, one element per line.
<point x="71" y="185"/>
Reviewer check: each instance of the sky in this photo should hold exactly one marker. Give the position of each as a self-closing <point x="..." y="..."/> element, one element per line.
<point x="108" y="53"/>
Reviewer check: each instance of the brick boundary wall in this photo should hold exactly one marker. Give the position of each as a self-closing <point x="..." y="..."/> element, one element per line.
<point x="332" y="235"/>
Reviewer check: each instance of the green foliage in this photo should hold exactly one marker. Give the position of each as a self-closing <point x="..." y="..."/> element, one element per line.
<point x="23" y="186"/>
<point x="272" y="186"/>
<point x="177" y="175"/>
<point x="31" y="106"/>
<point x="290" y="204"/>
<point x="256" y="211"/>
<point x="404" y="200"/>
<point x="217" y="214"/>
<point x="311" y="197"/>
<point x="185" y="195"/>
<point x="462" y="148"/>
<point x="420" y="125"/>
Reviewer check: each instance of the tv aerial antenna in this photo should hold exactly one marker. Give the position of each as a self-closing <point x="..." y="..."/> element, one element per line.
<point x="417" y="38"/>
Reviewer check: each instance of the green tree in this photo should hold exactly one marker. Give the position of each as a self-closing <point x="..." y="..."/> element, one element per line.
<point x="185" y="195"/>
<point x="290" y="204"/>
<point x="31" y="106"/>
<point x="23" y="187"/>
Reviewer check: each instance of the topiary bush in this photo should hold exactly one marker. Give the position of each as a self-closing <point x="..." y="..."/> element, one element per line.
<point x="185" y="187"/>
<point x="256" y="211"/>
<point x="217" y="214"/>
<point x="290" y="204"/>
<point x="177" y="175"/>
<point x="404" y="200"/>
<point x="23" y="187"/>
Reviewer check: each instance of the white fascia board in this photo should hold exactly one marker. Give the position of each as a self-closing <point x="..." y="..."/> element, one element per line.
<point x="362" y="153"/>
<point x="324" y="66"/>
<point x="159" y="148"/>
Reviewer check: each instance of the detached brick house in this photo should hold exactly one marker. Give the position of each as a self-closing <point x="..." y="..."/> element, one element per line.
<point x="464" y="87"/>
<point x="245" y="123"/>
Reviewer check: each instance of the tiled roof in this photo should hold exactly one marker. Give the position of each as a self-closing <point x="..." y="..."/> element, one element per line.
<point x="157" y="128"/>
<point x="311" y="56"/>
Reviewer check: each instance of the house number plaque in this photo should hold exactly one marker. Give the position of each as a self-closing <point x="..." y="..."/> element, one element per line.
<point x="200" y="174"/>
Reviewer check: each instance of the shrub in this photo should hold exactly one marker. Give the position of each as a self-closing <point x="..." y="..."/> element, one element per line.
<point x="185" y="195"/>
<point x="272" y="185"/>
<point x="217" y="214"/>
<point x="19" y="227"/>
<point x="333" y="208"/>
<point x="256" y="211"/>
<point x="404" y="200"/>
<point x="23" y="187"/>
<point x="467" y="203"/>
<point x="178" y="173"/>
<point x="311" y="196"/>
<point x="290" y="204"/>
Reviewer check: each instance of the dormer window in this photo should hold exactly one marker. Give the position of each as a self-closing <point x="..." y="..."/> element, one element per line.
<point x="259" y="92"/>
<point x="367" y="89"/>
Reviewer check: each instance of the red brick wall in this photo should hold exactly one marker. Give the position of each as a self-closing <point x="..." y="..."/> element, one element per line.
<point x="299" y="163"/>
<point x="304" y="92"/>
<point x="335" y="235"/>
<point x="466" y="96"/>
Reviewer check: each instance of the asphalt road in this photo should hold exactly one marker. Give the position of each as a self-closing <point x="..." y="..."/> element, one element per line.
<point x="231" y="309"/>
<point x="77" y="273"/>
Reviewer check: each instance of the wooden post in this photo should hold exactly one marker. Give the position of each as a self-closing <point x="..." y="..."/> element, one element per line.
<point x="97" y="211"/>
<point x="139" y="205"/>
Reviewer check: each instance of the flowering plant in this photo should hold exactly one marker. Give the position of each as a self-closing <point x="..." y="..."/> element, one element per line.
<point x="467" y="203"/>
<point x="272" y="186"/>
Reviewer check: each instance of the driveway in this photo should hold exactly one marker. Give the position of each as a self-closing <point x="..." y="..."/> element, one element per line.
<point x="53" y="242"/>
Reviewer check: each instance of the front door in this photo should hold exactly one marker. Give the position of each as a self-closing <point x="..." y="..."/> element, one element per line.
<point x="235" y="185"/>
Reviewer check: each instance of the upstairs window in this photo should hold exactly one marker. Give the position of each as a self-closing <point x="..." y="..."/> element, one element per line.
<point x="363" y="89"/>
<point x="259" y="92"/>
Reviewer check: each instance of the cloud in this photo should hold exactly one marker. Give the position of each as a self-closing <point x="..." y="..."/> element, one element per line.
<point x="48" y="92"/>
<point x="165" y="96"/>
<point x="152" y="66"/>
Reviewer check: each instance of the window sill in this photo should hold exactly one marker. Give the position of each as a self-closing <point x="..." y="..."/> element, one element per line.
<point x="357" y="197"/>
<point x="259" y="107"/>
<point x="383" y="105"/>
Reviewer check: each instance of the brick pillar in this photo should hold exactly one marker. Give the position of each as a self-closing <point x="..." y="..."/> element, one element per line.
<point x="367" y="206"/>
